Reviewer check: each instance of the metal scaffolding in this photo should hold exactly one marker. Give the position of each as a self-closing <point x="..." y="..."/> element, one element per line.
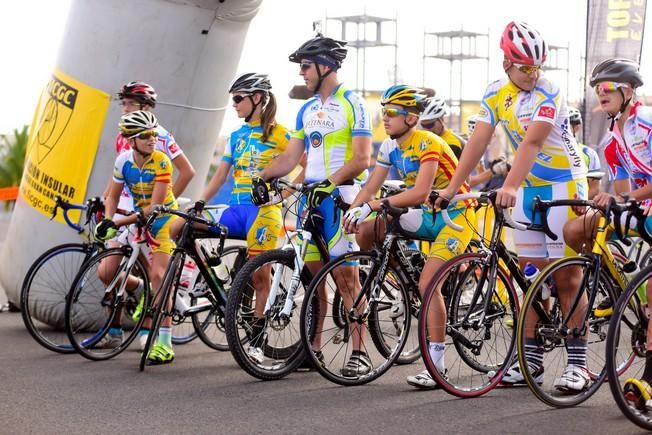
<point x="558" y="60"/>
<point x="354" y="30"/>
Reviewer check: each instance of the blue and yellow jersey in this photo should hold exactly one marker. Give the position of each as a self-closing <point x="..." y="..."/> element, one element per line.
<point x="560" y="159"/>
<point x="141" y="181"/>
<point x="328" y="129"/>
<point x="591" y="158"/>
<point x="421" y="147"/>
<point x="248" y="156"/>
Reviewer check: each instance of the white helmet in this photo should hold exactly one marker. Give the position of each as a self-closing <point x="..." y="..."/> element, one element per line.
<point x="470" y="123"/>
<point x="436" y="108"/>
<point x="251" y="82"/>
<point x="136" y="122"/>
<point x="574" y="115"/>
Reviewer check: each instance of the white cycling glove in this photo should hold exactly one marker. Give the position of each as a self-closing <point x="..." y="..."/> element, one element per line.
<point x="357" y="215"/>
<point x="499" y="167"/>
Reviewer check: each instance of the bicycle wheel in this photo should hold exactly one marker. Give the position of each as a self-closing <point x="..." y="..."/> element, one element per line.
<point x="270" y="347"/>
<point x="44" y="290"/>
<point x="479" y="330"/>
<point x="160" y="306"/>
<point x="543" y="320"/>
<point x="330" y="345"/>
<point x="628" y="336"/>
<point x="94" y="303"/>
<point x="210" y="324"/>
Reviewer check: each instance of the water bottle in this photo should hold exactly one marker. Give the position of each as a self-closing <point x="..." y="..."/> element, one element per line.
<point x="187" y="275"/>
<point x="631" y="269"/>
<point x="531" y="272"/>
<point x="222" y="272"/>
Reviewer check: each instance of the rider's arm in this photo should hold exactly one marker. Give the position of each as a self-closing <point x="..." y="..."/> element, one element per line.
<point x="186" y="173"/>
<point x="158" y="195"/>
<point x="372" y="186"/>
<point x="284" y="163"/>
<point x="112" y="198"/>
<point x="359" y="161"/>
<point x="482" y="176"/>
<point x="217" y="180"/>
<point x="594" y="187"/>
<point x="471" y="155"/>
<point x="526" y="154"/>
<point x="419" y="193"/>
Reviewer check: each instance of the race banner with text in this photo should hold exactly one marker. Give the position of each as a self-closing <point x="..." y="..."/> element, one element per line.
<point x="63" y="141"/>
<point x="614" y="29"/>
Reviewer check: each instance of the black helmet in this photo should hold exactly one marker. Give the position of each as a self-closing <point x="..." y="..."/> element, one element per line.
<point x="617" y="70"/>
<point x="251" y="82"/>
<point x="321" y="47"/>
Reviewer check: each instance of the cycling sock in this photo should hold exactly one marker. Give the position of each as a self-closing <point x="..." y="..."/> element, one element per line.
<point x="143" y="331"/>
<point x="257" y="332"/>
<point x="115" y="331"/>
<point x="576" y="348"/>
<point x="647" y="374"/>
<point x="533" y="354"/>
<point x="165" y="336"/>
<point x="437" y="356"/>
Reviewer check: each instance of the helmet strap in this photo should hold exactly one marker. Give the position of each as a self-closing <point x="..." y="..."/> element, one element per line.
<point x="321" y="77"/>
<point x="623" y="107"/>
<point x="139" y="152"/>
<point x="253" y="107"/>
<point x="407" y="128"/>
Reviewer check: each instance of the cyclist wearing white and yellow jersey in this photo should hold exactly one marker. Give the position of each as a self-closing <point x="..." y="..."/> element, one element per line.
<point x="591" y="157"/>
<point x="333" y="129"/>
<point x="424" y="162"/>
<point x="251" y="149"/>
<point x="147" y="173"/>
<point x="547" y="163"/>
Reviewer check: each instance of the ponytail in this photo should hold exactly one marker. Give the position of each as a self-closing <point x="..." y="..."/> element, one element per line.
<point x="268" y="118"/>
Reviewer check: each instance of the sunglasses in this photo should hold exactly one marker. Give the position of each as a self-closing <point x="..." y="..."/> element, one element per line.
<point x="527" y="69"/>
<point x="392" y="113"/>
<point x="609" y="87"/>
<point x="305" y="65"/>
<point x="237" y="99"/>
<point x="428" y="125"/>
<point x="145" y="135"/>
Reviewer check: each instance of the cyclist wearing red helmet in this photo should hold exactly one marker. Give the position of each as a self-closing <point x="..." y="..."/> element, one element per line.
<point x="547" y="163"/>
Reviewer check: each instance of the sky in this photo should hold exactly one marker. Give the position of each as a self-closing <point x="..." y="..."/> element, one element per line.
<point x="30" y="43"/>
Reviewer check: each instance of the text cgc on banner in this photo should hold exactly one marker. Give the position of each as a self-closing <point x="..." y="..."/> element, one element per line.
<point x="63" y="141"/>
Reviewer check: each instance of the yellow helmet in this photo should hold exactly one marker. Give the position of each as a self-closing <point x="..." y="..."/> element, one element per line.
<point x="413" y="99"/>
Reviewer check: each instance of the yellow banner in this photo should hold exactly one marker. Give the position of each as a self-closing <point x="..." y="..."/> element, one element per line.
<point x="63" y="141"/>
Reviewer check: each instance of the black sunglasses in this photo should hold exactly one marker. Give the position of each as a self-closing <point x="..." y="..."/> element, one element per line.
<point x="305" y="65"/>
<point x="237" y="99"/>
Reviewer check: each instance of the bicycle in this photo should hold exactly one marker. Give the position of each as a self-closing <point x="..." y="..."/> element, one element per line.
<point x="48" y="280"/>
<point x="542" y="316"/>
<point x="278" y="337"/>
<point x="383" y="306"/>
<point x="480" y="287"/>
<point x="213" y="296"/>
<point x="628" y="335"/>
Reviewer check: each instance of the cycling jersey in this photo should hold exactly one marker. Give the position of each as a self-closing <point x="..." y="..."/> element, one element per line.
<point x="629" y="153"/>
<point x="591" y="158"/>
<point x="328" y="129"/>
<point x="140" y="182"/>
<point x="165" y="143"/>
<point x="560" y="159"/>
<point x="454" y="141"/>
<point x="248" y="156"/>
<point x="422" y="146"/>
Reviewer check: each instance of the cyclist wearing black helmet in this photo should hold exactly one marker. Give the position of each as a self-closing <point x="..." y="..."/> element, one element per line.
<point x="334" y="131"/>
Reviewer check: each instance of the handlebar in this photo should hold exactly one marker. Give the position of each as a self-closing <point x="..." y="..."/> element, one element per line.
<point x="192" y="216"/>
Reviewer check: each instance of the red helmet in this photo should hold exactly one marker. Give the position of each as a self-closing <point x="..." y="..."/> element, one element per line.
<point x="139" y="91"/>
<point x="523" y="44"/>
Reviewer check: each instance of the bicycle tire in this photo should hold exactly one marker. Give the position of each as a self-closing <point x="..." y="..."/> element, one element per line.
<point x="330" y="359"/>
<point x="628" y="333"/>
<point x="57" y="279"/>
<point x="90" y="309"/>
<point x="281" y="344"/>
<point x="476" y="314"/>
<point x="552" y="338"/>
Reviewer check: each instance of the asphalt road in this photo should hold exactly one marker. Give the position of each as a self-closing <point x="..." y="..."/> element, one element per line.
<point x="204" y="391"/>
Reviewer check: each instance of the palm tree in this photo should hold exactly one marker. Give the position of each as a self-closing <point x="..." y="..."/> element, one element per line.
<point x="12" y="158"/>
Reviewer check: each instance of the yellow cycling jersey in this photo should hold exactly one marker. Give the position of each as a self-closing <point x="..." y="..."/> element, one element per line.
<point x="560" y="159"/>
<point x="454" y="141"/>
<point x="141" y="181"/>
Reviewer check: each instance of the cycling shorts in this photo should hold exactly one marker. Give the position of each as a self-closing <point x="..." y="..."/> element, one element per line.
<point x="259" y="226"/>
<point x="535" y="244"/>
<point x="160" y="230"/>
<point x="330" y="229"/>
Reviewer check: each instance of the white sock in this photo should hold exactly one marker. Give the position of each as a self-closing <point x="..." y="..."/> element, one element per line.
<point x="437" y="355"/>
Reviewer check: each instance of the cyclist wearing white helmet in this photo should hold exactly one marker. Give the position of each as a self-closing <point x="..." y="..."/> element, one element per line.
<point x="432" y="119"/>
<point x="547" y="163"/>
<point x="591" y="157"/>
<point x="147" y="173"/>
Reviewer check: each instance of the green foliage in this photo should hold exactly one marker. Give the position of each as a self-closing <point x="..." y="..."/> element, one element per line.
<point x="12" y="157"/>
